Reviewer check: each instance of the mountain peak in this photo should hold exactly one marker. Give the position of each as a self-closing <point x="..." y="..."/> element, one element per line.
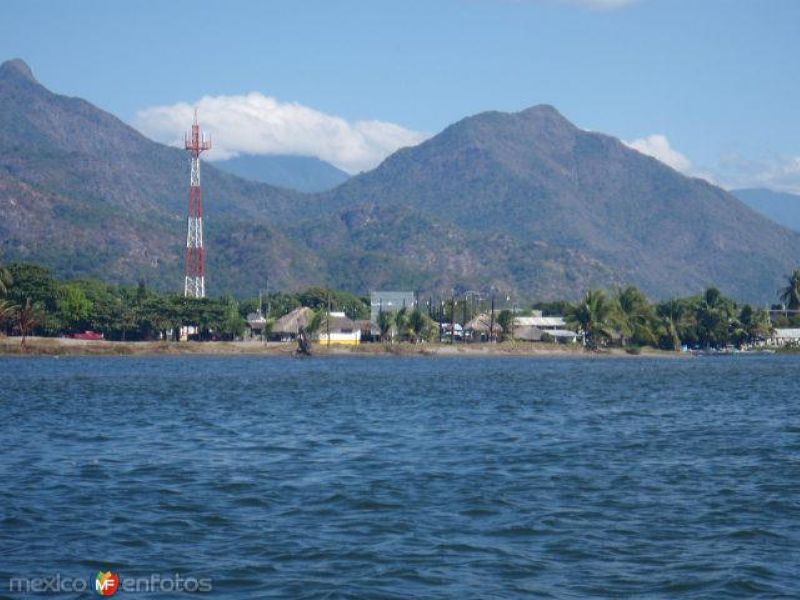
<point x="544" y="113"/>
<point x="543" y="110"/>
<point x="17" y="67"/>
<point x="541" y="117"/>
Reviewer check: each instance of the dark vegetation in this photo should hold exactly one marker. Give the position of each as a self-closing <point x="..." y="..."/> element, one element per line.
<point x="33" y="302"/>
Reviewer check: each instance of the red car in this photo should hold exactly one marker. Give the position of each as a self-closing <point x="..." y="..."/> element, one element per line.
<point x="87" y="335"/>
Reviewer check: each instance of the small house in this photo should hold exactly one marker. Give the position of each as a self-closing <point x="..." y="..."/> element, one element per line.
<point x="785" y="337"/>
<point x="339" y="330"/>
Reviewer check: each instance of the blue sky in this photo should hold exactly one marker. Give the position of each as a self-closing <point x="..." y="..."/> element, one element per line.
<point x="718" y="79"/>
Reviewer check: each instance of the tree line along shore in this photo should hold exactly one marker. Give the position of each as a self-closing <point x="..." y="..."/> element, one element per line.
<point x="33" y="303"/>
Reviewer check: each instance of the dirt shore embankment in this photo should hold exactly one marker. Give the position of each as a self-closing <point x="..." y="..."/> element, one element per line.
<point x="40" y="346"/>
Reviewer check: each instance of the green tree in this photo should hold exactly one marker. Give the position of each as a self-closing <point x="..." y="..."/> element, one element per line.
<point x="141" y="292"/>
<point x="557" y="307"/>
<point x="318" y="322"/>
<point x="755" y="323"/>
<point x="74" y="307"/>
<point x="7" y="311"/>
<point x="155" y="317"/>
<point x="401" y="323"/>
<point x="419" y="324"/>
<point x="634" y="317"/>
<point x="36" y="283"/>
<point x="281" y="304"/>
<point x="671" y="314"/>
<point x="713" y="314"/>
<point x="6" y="280"/>
<point x="505" y="320"/>
<point x="790" y="295"/>
<point x="232" y="324"/>
<point x="386" y="324"/>
<point x="318" y="297"/>
<point x="6" y="307"/>
<point x="27" y="318"/>
<point x="592" y="316"/>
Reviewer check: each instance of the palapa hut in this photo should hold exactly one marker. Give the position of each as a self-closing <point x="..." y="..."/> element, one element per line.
<point x="287" y="327"/>
<point x="479" y="328"/>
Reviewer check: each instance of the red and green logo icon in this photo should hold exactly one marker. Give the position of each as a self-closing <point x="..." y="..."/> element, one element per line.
<point x="106" y="584"/>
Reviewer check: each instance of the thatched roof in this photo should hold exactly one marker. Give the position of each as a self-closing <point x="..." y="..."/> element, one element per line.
<point x="291" y="323"/>
<point x="482" y="323"/>
<point x="338" y="323"/>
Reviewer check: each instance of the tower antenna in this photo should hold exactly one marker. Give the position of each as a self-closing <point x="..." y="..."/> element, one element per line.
<point x="195" y="276"/>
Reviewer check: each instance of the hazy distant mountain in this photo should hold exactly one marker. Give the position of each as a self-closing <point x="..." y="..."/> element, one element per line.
<point x="301" y="173"/>
<point x="781" y="207"/>
<point x="522" y="203"/>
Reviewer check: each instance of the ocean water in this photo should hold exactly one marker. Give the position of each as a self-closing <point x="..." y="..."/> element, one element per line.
<point x="405" y="477"/>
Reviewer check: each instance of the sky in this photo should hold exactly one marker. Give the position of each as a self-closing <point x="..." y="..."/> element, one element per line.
<point x="710" y="87"/>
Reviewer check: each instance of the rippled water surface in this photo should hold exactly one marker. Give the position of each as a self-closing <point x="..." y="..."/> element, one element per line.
<point x="400" y="478"/>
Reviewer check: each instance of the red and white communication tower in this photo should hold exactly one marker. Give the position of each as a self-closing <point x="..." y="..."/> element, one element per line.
<point x="195" y="282"/>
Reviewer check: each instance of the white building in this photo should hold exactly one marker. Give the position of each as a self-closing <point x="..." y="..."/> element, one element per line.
<point x="536" y="327"/>
<point x="339" y="330"/>
<point x="785" y="337"/>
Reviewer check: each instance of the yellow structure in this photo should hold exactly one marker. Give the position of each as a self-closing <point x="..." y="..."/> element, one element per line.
<point x="339" y="331"/>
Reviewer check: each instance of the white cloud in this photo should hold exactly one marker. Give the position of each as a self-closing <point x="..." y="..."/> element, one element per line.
<point x="658" y="146"/>
<point x="259" y="124"/>
<point x="777" y="173"/>
<point x="780" y="173"/>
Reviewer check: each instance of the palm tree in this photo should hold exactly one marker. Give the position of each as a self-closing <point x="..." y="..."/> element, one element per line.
<point x="756" y="323"/>
<point x="672" y="314"/>
<point x="592" y="316"/>
<point x="401" y="321"/>
<point x="714" y="322"/>
<point x="386" y="323"/>
<point x="790" y="295"/>
<point x="5" y="280"/>
<point x="304" y="334"/>
<point x="633" y="316"/>
<point x="6" y="312"/>
<point x="418" y="322"/>
<point x="27" y="319"/>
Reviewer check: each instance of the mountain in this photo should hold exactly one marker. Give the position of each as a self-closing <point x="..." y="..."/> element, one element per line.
<point x="86" y="194"/>
<point x="536" y="177"/>
<point x="781" y="207"/>
<point x="522" y="203"/>
<point x="301" y="173"/>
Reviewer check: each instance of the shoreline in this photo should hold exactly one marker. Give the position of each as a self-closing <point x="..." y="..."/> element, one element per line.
<point x="56" y="347"/>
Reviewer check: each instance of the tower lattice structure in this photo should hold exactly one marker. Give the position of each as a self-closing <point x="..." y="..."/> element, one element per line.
<point x="195" y="279"/>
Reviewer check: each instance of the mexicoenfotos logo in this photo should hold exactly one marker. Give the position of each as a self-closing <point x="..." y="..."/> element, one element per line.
<point x="106" y="584"/>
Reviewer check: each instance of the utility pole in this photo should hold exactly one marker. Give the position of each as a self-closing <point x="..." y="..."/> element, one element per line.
<point x="491" y="322"/>
<point x="453" y="319"/>
<point x="464" y="321"/>
<point x="328" y="320"/>
<point x="266" y="295"/>
<point x="513" y="316"/>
